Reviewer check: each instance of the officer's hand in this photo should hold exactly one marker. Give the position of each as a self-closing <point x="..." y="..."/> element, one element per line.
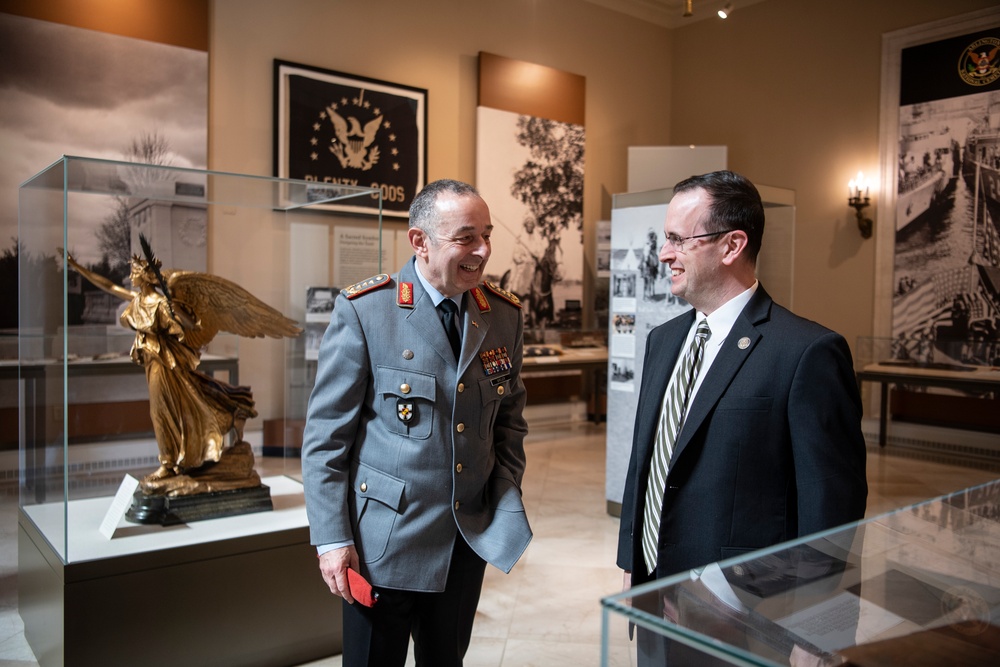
<point x="333" y="566"/>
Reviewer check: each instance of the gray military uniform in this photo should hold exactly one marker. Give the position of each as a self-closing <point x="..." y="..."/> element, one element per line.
<point x="403" y="449"/>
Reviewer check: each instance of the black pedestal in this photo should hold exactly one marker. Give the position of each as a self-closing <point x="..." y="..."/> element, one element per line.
<point x="167" y="511"/>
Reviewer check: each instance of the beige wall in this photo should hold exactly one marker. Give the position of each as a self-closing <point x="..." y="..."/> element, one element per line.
<point x="432" y="44"/>
<point x="792" y="87"/>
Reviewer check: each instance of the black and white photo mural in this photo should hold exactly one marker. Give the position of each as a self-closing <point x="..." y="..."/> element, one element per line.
<point x="530" y="172"/>
<point x="946" y="267"/>
<point x="71" y="91"/>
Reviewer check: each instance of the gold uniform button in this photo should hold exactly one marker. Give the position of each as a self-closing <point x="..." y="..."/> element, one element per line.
<point x="458" y="468"/>
<point x="364" y="487"/>
<point x="460" y="428"/>
<point x="461" y="387"/>
<point x="500" y="390"/>
<point x="457" y="504"/>
<point x="405" y="388"/>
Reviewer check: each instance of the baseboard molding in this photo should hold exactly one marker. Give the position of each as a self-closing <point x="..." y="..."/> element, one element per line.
<point x="937" y="444"/>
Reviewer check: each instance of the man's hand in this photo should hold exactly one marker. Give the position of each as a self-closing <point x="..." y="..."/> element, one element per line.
<point x="333" y="566"/>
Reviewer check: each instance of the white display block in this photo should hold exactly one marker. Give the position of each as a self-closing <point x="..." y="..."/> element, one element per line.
<point x="242" y="590"/>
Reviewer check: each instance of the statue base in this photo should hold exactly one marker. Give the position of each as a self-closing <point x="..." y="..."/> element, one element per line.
<point x="167" y="510"/>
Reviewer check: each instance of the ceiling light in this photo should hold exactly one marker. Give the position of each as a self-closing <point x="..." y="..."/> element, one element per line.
<point x="726" y="11"/>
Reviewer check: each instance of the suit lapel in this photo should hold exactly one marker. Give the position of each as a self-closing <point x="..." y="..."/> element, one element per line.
<point x="727" y="364"/>
<point x="659" y="365"/>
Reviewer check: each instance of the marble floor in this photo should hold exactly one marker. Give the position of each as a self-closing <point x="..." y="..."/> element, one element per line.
<point x="546" y="612"/>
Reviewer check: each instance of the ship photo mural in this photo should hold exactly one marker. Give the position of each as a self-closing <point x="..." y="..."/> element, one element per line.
<point x="946" y="280"/>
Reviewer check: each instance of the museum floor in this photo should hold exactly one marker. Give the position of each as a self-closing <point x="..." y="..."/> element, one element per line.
<point x="546" y="612"/>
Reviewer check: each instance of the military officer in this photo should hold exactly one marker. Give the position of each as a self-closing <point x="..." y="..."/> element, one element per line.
<point x="413" y="449"/>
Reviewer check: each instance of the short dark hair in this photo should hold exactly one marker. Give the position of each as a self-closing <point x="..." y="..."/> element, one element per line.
<point x="735" y="204"/>
<point x="422" y="208"/>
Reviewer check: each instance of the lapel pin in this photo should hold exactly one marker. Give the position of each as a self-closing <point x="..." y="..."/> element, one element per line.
<point x="744" y="343"/>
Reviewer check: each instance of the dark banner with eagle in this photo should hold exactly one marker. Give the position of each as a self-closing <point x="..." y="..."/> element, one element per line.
<point x="340" y="129"/>
<point x="950" y="68"/>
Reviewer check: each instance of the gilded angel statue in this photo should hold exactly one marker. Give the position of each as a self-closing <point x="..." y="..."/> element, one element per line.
<point x="175" y="314"/>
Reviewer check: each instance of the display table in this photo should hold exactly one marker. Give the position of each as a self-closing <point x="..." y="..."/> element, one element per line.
<point x="918" y="587"/>
<point x="243" y="590"/>
<point x="585" y="361"/>
<point x="962" y="378"/>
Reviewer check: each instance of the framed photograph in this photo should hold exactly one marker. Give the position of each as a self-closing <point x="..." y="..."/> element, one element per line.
<point x="340" y="129"/>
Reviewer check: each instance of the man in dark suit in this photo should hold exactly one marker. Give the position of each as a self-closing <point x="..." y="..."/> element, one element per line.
<point x="761" y="440"/>
<point x="413" y="451"/>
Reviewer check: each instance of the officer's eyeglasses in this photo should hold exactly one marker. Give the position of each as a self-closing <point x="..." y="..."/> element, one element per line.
<point x="678" y="241"/>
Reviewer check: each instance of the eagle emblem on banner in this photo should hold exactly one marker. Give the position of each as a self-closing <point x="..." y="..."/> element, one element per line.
<point x="978" y="65"/>
<point x="352" y="145"/>
<point x="339" y="129"/>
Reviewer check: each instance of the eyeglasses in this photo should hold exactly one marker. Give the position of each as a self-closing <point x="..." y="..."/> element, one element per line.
<point x="678" y="241"/>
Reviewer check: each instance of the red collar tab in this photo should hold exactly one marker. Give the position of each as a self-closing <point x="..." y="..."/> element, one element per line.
<point x="481" y="301"/>
<point x="404" y="295"/>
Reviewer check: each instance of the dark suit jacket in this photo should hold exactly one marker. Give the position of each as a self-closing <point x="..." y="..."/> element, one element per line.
<point x="771" y="448"/>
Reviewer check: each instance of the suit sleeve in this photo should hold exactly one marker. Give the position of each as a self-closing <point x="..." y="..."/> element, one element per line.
<point x="341" y="392"/>
<point x="824" y="415"/>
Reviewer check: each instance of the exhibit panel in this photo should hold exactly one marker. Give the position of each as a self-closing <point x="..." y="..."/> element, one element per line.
<point x="155" y="337"/>
<point x="917" y="586"/>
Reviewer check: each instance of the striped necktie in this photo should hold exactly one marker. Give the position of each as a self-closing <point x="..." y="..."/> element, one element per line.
<point x="671" y="419"/>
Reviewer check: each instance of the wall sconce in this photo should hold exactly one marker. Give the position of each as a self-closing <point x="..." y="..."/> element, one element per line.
<point x="726" y="11"/>
<point x="859" y="200"/>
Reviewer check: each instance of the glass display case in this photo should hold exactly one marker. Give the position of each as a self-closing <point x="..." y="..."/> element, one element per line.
<point x="917" y="586"/>
<point x="83" y="404"/>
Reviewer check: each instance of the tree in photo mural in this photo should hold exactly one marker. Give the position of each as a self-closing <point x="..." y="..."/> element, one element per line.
<point x="550" y="184"/>
<point x="115" y="232"/>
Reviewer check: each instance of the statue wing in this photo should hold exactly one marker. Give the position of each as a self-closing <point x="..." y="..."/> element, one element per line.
<point x="222" y="305"/>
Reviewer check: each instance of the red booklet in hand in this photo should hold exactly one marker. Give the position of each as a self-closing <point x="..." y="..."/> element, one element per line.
<point x="361" y="589"/>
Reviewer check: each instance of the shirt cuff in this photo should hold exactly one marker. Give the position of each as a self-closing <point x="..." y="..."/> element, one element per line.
<point x="323" y="548"/>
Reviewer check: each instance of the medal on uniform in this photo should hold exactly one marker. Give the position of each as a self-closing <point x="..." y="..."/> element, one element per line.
<point x="495" y="360"/>
<point x="405" y="411"/>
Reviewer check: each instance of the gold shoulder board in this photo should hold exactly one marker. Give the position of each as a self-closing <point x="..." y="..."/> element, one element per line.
<point x="367" y="285"/>
<point x="503" y="294"/>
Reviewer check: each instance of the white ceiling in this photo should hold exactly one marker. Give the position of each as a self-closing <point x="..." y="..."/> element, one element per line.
<point x="670" y="13"/>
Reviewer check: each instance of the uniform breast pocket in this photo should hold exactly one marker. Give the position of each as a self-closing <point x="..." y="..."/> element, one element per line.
<point x="407" y="401"/>
<point x="492" y="395"/>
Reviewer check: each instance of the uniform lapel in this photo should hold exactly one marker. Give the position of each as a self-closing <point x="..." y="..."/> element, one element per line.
<point x="475" y="324"/>
<point x="731" y="358"/>
<point x="424" y="316"/>
<point x="425" y="319"/>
